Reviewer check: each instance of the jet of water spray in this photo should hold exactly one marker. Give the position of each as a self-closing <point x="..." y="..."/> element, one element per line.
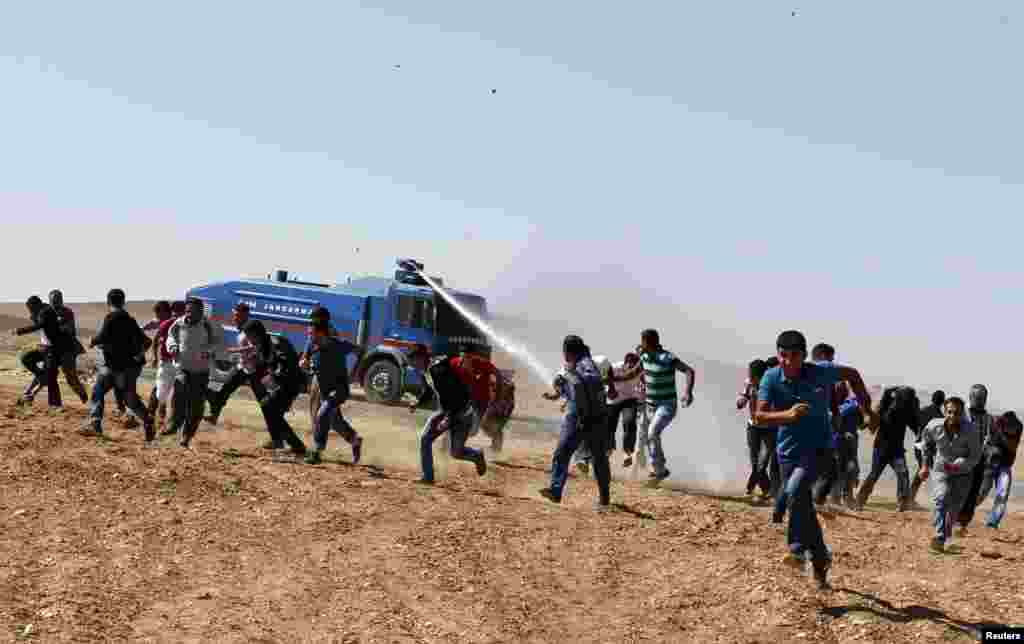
<point x="517" y="351"/>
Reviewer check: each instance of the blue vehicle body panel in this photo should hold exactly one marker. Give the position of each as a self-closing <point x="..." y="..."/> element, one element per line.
<point x="369" y="304"/>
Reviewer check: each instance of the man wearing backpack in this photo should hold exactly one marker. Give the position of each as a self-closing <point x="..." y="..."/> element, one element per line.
<point x="123" y="346"/>
<point x="450" y="383"/>
<point x="585" y="421"/>
<point x="192" y="341"/>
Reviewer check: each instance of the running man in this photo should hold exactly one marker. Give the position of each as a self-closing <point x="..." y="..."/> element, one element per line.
<point x="329" y="357"/>
<point x="952" y="448"/>
<point x="445" y="379"/>
<point x="123" y="346"/>
<point x="659" y="368"/>
<point x="585" y="421"/>
<point x="1001" y="455"/>
<point x="925" y="416"/>
<point x="193" y="341"/>
<point x="239" y="376"/>
<point x="276" y="381"/>
<point x="897" y="413"/>
<point x="761" y="441"/>
<point x="795" y="397"/>
<point x="983" y="422"/>
<point x="65" y="358"/>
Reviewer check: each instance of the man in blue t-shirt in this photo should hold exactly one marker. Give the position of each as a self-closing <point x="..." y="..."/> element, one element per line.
<point x="796" y="397"/>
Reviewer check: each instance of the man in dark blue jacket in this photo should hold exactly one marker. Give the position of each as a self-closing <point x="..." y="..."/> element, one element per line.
<point x="329" y="357"/>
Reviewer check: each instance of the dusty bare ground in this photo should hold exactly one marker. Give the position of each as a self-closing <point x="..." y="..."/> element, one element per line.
<point x="105" y="541"/>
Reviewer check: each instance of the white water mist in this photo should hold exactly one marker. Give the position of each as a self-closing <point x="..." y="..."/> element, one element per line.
<point x="517" y="351"/>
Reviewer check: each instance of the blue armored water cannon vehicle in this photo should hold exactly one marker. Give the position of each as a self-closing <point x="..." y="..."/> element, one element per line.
<point x="384" y="316"/>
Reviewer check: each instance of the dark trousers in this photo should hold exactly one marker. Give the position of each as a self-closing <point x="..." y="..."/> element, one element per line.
<point x="764" y="461"/>
<point x="122" y="382"/>
<point x="274" y="407"/>
<point x="329" y="417"/>
<point x="625" y="409"/>
<point x="189" y="401"/>
<point x="974" y="495"/>
<point x="828" y="475"/>
<point x="803" y="532"/>
<point x="218" y="399"/>
<point x="882" y="457"/>
<point x="847" y="467"/>
<point x="594" y="434"/>
<point x="46" y="376"/>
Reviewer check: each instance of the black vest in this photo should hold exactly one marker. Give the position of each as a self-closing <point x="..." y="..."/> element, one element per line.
<point x="452" y="393"/>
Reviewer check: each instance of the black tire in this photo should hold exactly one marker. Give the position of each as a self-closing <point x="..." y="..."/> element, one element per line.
<point x="383" y="382"/>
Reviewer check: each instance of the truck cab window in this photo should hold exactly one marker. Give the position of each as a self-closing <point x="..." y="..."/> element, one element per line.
<point x="415" y="312"/>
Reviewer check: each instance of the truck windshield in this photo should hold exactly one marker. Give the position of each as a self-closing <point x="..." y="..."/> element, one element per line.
<point x="416" y="313"/>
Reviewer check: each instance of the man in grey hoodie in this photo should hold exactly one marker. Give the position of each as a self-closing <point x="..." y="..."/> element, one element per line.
<point x="193" y="340"/>
<point x="951" y="448"/>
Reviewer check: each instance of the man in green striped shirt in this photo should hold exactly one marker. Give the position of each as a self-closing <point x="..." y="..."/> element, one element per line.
<point x="659" y="368"/>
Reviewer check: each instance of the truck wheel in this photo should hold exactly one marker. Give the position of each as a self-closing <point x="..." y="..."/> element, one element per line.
<point x="383" y="382"/>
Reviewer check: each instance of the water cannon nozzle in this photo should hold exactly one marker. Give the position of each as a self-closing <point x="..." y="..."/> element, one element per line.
<point x="410" y="265"/>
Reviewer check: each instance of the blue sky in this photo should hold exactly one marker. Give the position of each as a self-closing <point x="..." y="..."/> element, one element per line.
<point x="853" y="171"/>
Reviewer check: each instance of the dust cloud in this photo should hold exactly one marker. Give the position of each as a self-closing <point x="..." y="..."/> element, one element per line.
<point x="706" y="444"/>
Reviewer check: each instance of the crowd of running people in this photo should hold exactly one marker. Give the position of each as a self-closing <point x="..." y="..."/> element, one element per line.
<point x="805" y="411"/>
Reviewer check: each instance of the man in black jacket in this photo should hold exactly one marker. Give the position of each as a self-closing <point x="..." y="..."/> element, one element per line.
<point x="276" y="381"/>
<point x="60" y="352"/>
<point x="328" y="355"/>
<point x="124" y="353"/>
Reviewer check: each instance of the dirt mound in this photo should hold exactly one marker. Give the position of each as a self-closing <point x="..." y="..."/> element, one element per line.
<point x="106" y="541"/>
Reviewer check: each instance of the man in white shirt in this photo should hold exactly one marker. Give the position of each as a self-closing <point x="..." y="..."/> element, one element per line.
<point x="624" y="404"/>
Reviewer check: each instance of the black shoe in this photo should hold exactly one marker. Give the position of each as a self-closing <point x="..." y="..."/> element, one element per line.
<point x="777" y="516"/>
<point x="150" y="432"/>
<point x="481" y="465"/>
<point x="299" y="451"/>
<point x="548" y="494"/>
<point x="821" y="575"/>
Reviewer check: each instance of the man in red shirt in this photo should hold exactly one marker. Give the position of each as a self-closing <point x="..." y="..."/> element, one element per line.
<point x="160" y="398"/>
<point x="490" y="393"/>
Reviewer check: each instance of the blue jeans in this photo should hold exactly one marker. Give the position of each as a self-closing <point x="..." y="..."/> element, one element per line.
<point x="803" y="532"/>
<point x="1003" y="477"/>
<point x="329" y="417"/>
<point x="595" y="437"/>
<point x="661" y="415"/>
<point x="119" y="381"/>
<point x="459" y="425"/>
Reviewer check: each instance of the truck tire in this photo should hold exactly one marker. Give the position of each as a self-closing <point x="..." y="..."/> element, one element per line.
<point x="383" y="382"/>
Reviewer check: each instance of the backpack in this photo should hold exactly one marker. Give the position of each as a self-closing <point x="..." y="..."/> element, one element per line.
<point x="452" y="393"/>
<point x="589" y="394"/>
